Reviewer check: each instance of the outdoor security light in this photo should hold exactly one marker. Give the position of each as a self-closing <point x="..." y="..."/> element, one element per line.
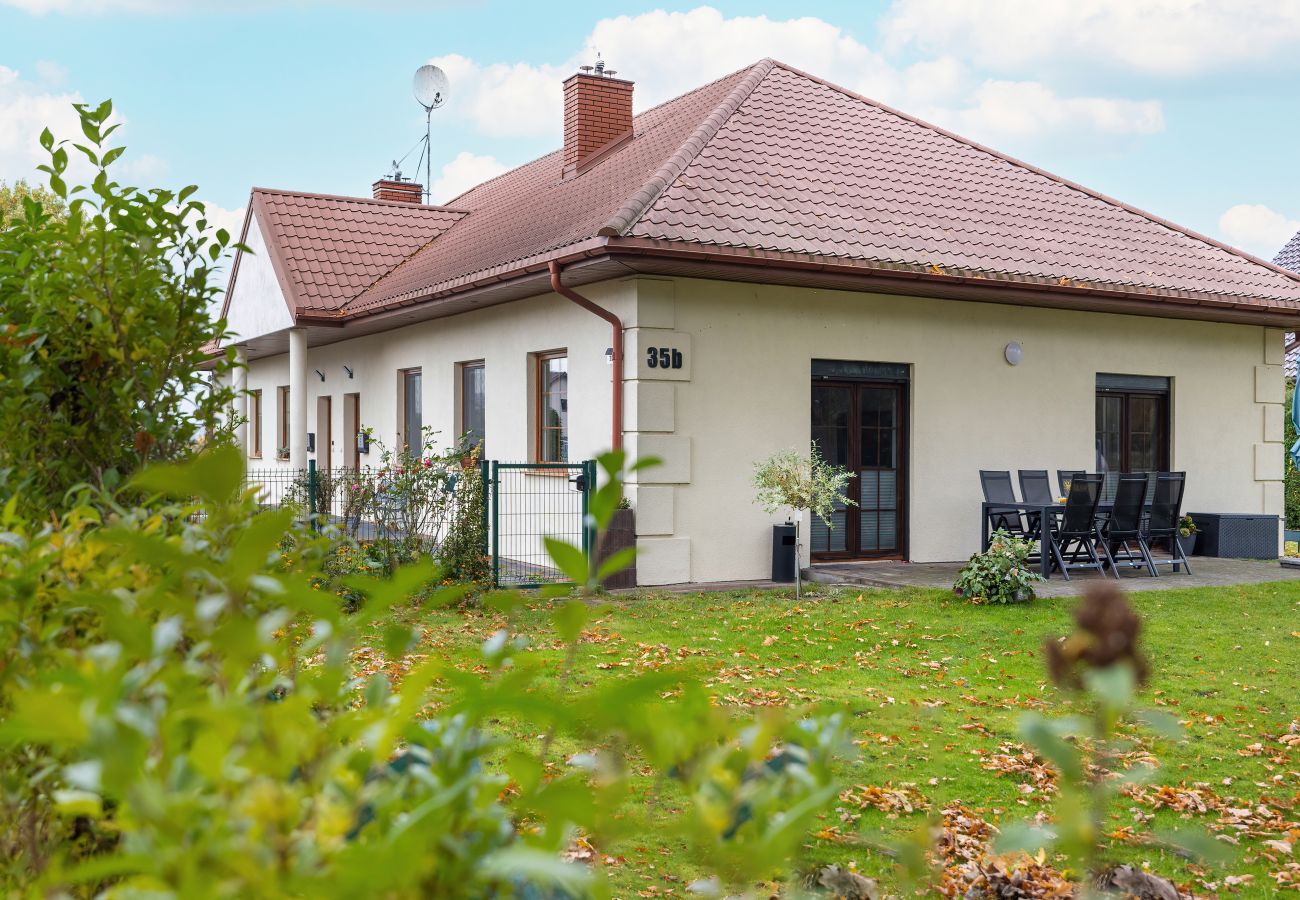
<point x="1014" y="353"/>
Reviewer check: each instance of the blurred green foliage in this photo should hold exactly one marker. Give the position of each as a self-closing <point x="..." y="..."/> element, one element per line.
<point x="105" y="314"/>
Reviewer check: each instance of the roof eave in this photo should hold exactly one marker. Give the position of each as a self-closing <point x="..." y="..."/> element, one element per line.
<point x="746" y="264"/>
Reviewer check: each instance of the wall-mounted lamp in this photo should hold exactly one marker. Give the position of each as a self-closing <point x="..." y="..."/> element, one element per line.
<point x="321" y="374"/>
<point x="609" y="356"/>
<point x="1014" y="353"/>
<point x="348" y="370"/>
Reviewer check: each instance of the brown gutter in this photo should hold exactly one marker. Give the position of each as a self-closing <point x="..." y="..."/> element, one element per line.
<point x="616" y="377"/>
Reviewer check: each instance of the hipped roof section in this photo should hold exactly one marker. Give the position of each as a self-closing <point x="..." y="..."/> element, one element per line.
<point x="777" y="164"/>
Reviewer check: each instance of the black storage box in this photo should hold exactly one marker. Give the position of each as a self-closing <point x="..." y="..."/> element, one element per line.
<point x="784" y="559"/>
<point x="1236" y="535"/>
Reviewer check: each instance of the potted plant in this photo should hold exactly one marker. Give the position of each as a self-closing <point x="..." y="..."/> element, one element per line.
<point x="1000" y="574"/>
<point x="281" y="453"/>
<point x="1187" y="535"/>
<point x="789" y="480"/>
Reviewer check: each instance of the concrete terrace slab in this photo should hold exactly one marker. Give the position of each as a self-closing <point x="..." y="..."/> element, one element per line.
<point x="1206" y="572"/>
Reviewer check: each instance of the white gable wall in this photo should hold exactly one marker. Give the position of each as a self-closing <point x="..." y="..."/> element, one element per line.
<point x="257" y="304"/>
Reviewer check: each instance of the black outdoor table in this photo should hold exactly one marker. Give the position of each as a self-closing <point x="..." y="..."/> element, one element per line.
<point x="1044" y="510"/>
<point x="1044" y="541"/>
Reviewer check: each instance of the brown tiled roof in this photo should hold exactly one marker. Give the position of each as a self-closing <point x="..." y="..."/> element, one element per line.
<point x="773" y="163"/>
<point x="329" y="248"/>
<point x="533" y="209"/>
<point x="806" y="167"/>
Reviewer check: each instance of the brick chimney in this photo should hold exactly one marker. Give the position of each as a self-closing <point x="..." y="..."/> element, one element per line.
<point x="597" y="111"/>
<point x="399" y="190"/>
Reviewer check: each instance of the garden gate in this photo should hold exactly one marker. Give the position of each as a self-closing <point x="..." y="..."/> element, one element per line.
<point x="527" y="502"/>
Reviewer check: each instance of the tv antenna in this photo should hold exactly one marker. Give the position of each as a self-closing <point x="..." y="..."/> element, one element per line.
<point x="430" y="88"/>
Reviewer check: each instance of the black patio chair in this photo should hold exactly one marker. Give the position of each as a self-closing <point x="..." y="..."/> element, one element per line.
<point x="1074" y="536"/>
<point x="1064" y="475"/>
<point x="1161" y="522"/>
<point x="1036" y="487"/>
<point x="1123" y="540"/>
<point x="997" y="489"/>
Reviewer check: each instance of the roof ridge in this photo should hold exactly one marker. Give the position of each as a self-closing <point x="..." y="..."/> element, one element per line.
<point x="666" y="174"/>
<point x="396" y="204"/>
<point x="1060" y="179"/>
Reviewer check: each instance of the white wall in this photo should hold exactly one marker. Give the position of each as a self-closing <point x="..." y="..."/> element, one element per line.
<point x="748" y="395"/>
<point x="743" y="392"/>
<point x="257" y="306"/>
<point x="502" y="336"/>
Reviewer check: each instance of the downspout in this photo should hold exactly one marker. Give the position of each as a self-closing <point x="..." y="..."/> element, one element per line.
<point x="616" y="377"/>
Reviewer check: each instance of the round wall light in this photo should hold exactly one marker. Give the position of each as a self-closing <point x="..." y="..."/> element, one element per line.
<point x="1014" y="353"/>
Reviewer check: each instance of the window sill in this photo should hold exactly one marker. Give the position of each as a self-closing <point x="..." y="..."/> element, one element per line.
<point x="549" y="473"/>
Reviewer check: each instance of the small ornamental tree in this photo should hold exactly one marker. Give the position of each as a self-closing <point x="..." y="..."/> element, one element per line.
<point x="104" y="321"/>
<point x="791" y="481"/>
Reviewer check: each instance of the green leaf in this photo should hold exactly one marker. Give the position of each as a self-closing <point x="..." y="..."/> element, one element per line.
<point x="570" y="560"/>
<point x="1197" y="843"/>
<point x="78" y="803"/>
<point x="526" y="865"/>
<point x="1113" y="685"/>
<point x="398" y="639"/>
<point x="1025" y="838"/>
<point x="616" y="562"/>
<point x="1046" y="737"/>
<point x="110" y="156"/>
<point x="570" y="619"/>
<point x="1161" y="722"/>
<point x="214" y="475"/>
<point x="47" y="139"/>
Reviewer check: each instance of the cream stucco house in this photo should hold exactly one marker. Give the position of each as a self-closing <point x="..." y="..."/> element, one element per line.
<point x="767" y="259"/>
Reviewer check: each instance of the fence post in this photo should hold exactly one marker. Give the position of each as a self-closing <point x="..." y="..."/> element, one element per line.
<point x="311" y="495"/>
<point x="588" y="531"/>
<point x="483" y="502"/>
<point x="496" y="526"/>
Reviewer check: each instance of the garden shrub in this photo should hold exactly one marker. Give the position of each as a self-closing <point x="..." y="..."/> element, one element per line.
<point x="105" y="313"/>
<point x="999" y="574"/>
<point x="181" y="717"/>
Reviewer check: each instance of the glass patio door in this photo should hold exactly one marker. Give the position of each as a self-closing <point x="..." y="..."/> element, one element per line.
<point x="861" y="427"/>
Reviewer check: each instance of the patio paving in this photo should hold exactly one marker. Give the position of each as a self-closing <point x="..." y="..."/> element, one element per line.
<point x="1206" y="572"/>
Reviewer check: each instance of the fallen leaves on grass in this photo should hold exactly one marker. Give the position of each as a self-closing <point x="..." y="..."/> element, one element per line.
<point x="890" y="799"/>
<point x="1018" y="761"/>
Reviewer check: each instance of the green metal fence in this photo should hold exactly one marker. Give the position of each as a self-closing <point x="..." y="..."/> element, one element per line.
<point x="365" y="504"/>
<point x="528" y="502"/>
<point x="523" y="504"/>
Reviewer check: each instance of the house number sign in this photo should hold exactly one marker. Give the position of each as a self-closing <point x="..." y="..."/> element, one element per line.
<point x="664" y="358"/>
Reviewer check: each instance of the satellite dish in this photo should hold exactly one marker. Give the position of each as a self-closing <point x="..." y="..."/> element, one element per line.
<point x="430" y="87"/>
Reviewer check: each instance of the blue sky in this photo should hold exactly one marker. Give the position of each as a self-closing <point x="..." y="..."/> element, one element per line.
<point x="1186" y="108"/>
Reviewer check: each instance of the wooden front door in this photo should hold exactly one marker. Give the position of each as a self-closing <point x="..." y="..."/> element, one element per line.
<point x="351" y="427"/>
<point x="324" y="433"/>
<point x="861" y="426"/>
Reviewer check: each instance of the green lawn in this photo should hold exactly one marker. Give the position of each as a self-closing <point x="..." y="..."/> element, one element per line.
<point x="935" y="686"/>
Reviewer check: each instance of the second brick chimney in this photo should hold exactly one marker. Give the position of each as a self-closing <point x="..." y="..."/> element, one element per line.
<point x="597" y="111"/>
<point x="399" y="190"/>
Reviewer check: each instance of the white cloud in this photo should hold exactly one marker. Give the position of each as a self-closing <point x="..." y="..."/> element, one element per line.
<point x="463" y="173"/>
<point x="668" y="53"/>
<point x="1011" y="113"/>
<point x="1257" y="229"/>
<point x="26" y="109"/>
<point x="1166" y="37"/>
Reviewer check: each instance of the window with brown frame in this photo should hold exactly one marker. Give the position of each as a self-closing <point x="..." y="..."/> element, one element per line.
<point x="473" y="404"/>
<point x="282" y="413"/>
<point x="412" y="411"/>
<point x="255" y="424"/>
<point x="552" y="438"/>
<point x="1132" y="423"/>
